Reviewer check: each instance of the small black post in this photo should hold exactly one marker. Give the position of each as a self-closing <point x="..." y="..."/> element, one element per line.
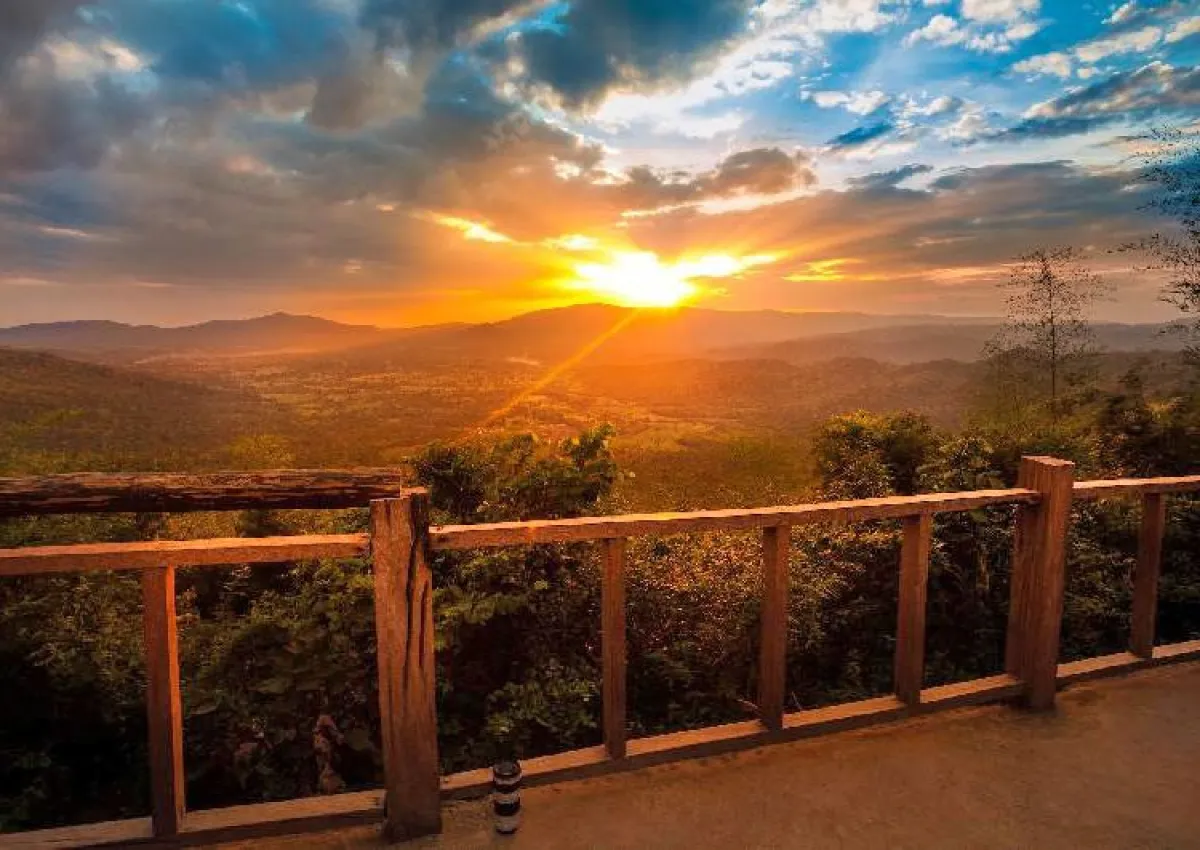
<point x="506" y="796"/>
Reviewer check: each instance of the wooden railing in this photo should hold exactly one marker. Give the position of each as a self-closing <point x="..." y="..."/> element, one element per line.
<point x="400" y="542"/>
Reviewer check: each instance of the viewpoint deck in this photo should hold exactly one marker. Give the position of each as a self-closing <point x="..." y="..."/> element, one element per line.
<point x="1112" y="767"/>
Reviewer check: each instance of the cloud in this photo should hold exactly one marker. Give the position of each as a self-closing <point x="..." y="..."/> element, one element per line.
<point x="946" y="31"/>
<point x="911" y="250"/>
<point x="23" y="23"/>
<point x="759" y="171"/>
<point x="1147" y="92"/>
<point x="1056" y="64"/>
<point x="1185" y="28"/>
<point x="1133" y="41"/>
<point x="999" y="11"/>
<point x="598" y="45"/>
<point x="858" y="102"/>
<point x="860" y="136"/>
<point x="881" y="180"/>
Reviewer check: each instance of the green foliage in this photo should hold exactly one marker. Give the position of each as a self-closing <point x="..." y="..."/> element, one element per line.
<point x="278" y="661"/>
<point x="861" y="454"/>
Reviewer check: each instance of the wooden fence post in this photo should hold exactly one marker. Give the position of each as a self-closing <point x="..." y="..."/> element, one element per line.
<point x="612" y="646"/>
<point x="407" y="691"/>
<point x="1038" y="579"/>
<point x="772" y="657"/>
<point x="1145" y="578"/>
<point x="163" y="709"/>
<point x="909" y="668"/>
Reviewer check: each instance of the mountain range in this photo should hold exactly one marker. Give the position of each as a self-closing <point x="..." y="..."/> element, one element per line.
<point x="604" y="333"/>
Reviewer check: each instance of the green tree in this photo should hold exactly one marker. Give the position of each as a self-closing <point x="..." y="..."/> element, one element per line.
<point x="1050" y="291"/>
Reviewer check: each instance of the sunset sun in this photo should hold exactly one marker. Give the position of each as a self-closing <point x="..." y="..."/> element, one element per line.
<point x="642" y="279"/>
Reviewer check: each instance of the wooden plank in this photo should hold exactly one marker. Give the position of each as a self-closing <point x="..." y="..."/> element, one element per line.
<point x="163" y="710"/>
<point x="974" y="692"/>
<point x="1187" y="650"/>
<point x="1116" y="487"/>
<point x="407" y="690"/>
<point x="772" y="656"/>
<point x="33" y="560"/>
<point x="1127" y="662"/>
<point x="612" y="642"/>
<point x="736" y="519"/>
<point x="1145" y="576"/>
<point x="98" y="492"/>
<point x="259" y="820"/>
<point x="1038" y="579"/>
<point x="1093" y="668"/>
<point x="910" y="615"/>
<point x="839" y="718"/>
<point x="117" y="833"/>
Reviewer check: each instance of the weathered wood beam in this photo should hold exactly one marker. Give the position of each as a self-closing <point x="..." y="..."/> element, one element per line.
<point x="1039" y="579"/>
<point x="164" y="711"/>
<point x="96" y="492"/>
<point x="736" y="519"/>
<point x="772" y="655"/>
<point x="909" y="663"/>
<point x="84" y="557"/>
<point x="404" y="640"/>
<point x="1115" y="487"/>
<point x="612" y="646"/>
<point x="1145" y="577"/>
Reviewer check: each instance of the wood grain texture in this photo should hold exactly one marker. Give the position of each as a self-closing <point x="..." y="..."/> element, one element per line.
<point x="163" y="708"/>
<point x="772" y="656"/>
<point x="1038" y="579"/>
<point x="612" y="642"/>
<point x="97" y="492"/>
<point x="1145" y="576"/>
<point x="630" y="525"/>
<point x="33" y="560"/>
<point x="974" y="692"/>
<point x="1115" y="487"/>
<point x="909" y="666"/>
<point x="407" y="691"/>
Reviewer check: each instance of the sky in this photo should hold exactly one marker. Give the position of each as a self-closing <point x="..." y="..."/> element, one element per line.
<point x="406" y="162"/>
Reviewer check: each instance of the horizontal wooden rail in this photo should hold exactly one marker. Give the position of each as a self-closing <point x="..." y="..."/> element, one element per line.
<point x="340" y="810"/>
<point x="1109" y="488"/>
<point x="96" y="492"/>
<point x="84" y="557"/>
<point x="738" y="519"/>
<point x="401" y="538"/>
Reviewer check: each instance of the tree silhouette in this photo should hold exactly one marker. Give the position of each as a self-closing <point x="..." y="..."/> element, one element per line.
<point x="1049" y="293"/>
<point x="1171" y="166"/>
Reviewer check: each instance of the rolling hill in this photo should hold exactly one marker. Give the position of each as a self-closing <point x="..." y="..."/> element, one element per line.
<point x="84" y="415"/>
<point x="278" y="333"/>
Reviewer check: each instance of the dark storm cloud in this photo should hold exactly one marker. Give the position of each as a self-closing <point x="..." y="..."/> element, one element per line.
<point x="888" y="179"/>
<point x="234" y="47"/>
<point x="23" y="23"/>
<point x="433" y="23"/>
<point x="759" y="171"/>
<point x="49" y="123"/>
<point x="598" y="44"/>
<point x="1146" y="92"/>
<point x="859" y="137"/>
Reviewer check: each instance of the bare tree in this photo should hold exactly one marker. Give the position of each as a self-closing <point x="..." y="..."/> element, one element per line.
<point x="1049" y="293"/>
<point x="1171" y="165"/>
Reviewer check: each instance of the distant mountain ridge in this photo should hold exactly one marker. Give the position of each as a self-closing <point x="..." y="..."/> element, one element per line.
<point x="602" y="333"/>
<point x="274" y="331"/>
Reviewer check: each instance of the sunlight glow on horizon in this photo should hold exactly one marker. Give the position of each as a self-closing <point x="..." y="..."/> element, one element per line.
<point x="642" y="279"/>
